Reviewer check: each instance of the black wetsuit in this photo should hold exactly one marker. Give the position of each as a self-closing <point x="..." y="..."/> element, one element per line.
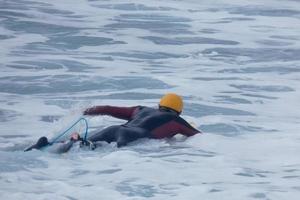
<point x="142" y="122"/>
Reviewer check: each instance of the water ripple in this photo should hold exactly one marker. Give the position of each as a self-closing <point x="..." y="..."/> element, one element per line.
<point x="188" y="40"/>
<point x="263" y="11"/>
<point x="57" y="84"/>
<point x="199" y="110"/>
<point x="156" y="23"/>
<point x="262" y="88"/>
<point x="254" y="54"/>
<point x="134" y="7"/>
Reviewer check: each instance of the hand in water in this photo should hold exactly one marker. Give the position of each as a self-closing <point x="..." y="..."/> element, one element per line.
<point x="75" y="136"/>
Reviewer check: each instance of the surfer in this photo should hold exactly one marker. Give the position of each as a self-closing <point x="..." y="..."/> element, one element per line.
<point x="142" y="122"/>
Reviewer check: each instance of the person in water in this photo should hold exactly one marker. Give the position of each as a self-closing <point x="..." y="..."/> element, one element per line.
<point x="142" y="122"/>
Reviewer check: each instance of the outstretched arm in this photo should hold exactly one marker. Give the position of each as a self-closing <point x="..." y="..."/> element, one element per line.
<point x="119" y="112"/>
<point x="187" y="129"/>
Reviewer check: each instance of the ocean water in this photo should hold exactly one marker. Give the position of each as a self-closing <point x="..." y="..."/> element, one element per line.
<point x="235" y="62"/>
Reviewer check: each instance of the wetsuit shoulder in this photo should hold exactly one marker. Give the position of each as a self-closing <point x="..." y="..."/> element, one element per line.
<point x="172" y="126"/>
<point x="186" y="128"/>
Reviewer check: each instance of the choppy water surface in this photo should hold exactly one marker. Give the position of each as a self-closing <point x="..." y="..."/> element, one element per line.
<point x="236" y="63"/>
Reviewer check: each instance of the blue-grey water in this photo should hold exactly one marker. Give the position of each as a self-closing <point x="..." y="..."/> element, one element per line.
<point x="236" y="64"/>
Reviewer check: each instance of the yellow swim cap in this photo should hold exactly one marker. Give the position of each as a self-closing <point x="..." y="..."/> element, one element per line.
<point x="172" y="101"/>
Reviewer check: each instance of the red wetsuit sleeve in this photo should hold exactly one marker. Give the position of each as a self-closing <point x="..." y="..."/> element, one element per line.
<point x="188" y="130"/>
<point x="125" y="113"/>
<point x="174" y="127"/>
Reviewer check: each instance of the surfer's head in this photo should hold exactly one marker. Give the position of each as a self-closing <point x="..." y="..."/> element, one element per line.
<point x="172" y="101"/>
